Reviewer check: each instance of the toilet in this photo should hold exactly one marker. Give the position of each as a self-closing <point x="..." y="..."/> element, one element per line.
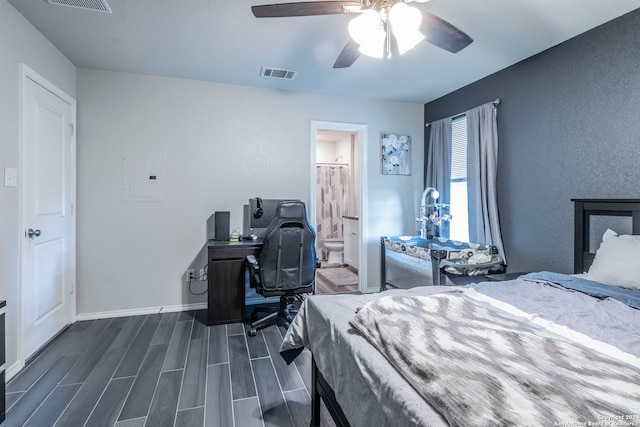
<point x="335" y="247"/>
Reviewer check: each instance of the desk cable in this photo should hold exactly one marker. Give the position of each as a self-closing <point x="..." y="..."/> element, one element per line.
<point x="189" y="282"/>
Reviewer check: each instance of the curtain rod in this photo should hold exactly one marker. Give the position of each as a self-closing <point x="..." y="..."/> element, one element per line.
<point x="496" y="102"/>
<point x="331" y="164"/>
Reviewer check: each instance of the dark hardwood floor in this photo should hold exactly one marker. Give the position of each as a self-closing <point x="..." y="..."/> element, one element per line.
<point x="162" y="370"/>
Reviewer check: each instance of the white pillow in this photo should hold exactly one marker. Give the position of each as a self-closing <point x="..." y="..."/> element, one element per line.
<point x="617" y="261"/>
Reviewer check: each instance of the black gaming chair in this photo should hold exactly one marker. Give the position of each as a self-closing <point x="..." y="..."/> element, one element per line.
<point x="286" y="265"/>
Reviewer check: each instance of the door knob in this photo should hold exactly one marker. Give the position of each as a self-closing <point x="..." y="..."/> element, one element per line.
<point x="31" y="233"/>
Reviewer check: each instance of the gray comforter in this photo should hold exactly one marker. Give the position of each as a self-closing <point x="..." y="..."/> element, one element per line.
<point x="482" y="363"/>
<point x="372" y="392"/>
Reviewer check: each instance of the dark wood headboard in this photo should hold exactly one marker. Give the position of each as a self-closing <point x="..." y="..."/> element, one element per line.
<point x="584" y="210"/>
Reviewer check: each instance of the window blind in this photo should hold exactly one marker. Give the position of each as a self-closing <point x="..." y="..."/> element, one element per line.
<point x="459" y="149"/>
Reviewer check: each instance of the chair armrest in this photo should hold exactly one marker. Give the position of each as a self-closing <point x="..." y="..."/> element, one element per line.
<point x="253" y="263"/>
<point x="254" y="273"/>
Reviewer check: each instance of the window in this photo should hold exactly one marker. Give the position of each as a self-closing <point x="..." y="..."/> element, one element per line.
<point x="459" y="225"/>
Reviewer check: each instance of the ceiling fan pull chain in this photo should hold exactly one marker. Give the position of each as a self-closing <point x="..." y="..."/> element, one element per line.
<point x="388" y="40"/>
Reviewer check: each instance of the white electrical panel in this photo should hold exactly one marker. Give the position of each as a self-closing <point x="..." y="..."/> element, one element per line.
<point x="142" y="177"/>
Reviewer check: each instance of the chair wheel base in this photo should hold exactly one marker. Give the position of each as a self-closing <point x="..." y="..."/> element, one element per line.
<point x="252" y="332"/>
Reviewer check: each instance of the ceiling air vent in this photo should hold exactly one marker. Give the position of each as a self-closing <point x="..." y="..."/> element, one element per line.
<point x="95" y="5"/>
<point x="278" y="73"/>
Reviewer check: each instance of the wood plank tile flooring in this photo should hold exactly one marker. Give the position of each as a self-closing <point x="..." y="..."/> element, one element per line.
<point x="324" y="286"/>
<point x="162" y="370"/>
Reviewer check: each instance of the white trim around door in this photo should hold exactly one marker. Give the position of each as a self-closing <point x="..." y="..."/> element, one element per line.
<point x="53" y="248"/>
<point x="361" y="131"/>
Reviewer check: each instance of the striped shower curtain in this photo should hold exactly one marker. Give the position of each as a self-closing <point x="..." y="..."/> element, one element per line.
<point x="332" y="192"/>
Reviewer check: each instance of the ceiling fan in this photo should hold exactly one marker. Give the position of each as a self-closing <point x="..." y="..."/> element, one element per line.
<point x="370" y="31"/>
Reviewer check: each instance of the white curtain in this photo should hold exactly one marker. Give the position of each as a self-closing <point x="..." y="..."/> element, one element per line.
<point x="332" y="192"/>
<point x="438" y="165"/>
<point x="482" y="176"/>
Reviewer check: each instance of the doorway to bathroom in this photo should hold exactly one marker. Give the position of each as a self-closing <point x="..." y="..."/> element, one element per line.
<point x="337" y="209"/>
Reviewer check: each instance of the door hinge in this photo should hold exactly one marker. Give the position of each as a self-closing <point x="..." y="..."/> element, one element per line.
<point x="73" y="128"/>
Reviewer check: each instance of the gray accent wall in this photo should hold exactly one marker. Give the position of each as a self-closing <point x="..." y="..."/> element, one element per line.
<point x="568" y="127"/>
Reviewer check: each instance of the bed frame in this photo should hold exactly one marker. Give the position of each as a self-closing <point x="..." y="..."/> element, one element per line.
<point x="584" y="210"/>
<point x="320" y="389"/>
<point x="587" y="208"/>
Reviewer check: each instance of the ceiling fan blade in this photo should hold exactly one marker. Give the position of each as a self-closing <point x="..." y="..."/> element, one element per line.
<point x="442" y="34"/>
<point x="311" y="8"/>
<point x="348" y="56"/>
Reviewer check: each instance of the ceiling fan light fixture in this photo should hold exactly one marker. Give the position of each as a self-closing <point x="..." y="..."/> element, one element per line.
<point x="368" y="31"/>
<point x="405" y="23"/>
<point x="365" y="26"/>
<point x="374" y="47"/>
<point x="405" y="17"/>
<point x="408" y="40"/>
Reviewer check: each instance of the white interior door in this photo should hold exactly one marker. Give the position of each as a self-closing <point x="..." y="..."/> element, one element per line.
<point x="48" y="197"/>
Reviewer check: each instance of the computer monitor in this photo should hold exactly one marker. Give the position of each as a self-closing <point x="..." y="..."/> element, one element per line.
<point x="257" y="224"/>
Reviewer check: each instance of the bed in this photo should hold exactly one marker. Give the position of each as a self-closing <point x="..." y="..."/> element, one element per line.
<point x="500" y="353"/>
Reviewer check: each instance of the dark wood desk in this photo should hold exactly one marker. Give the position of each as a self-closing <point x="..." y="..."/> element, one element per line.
<point x="226" y="279"/>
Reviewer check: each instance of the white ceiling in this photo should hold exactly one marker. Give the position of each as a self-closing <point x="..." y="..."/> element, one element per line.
<point x="221" y="41"/>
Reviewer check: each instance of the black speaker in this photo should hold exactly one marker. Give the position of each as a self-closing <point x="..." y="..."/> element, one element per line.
<point x="222" y="221"/>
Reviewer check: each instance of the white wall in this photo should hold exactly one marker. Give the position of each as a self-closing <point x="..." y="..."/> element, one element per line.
<point x="223" y="144"/>
<point x="326" y="151"/>
<point x="19" y="43"/>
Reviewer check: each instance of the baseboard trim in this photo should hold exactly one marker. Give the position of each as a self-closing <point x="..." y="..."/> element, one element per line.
<point x="140" y="311"/>
<point x="13" y="370"/>
<point x="16" y="367"/>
